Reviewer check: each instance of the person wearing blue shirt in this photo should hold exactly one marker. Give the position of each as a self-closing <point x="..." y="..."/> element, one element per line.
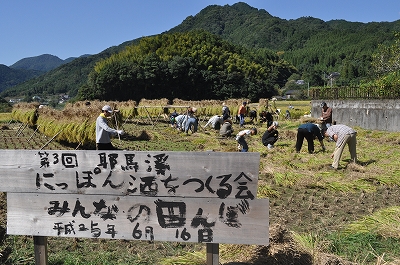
<point x="310" y="131"/>
<point x="191" y="122"/>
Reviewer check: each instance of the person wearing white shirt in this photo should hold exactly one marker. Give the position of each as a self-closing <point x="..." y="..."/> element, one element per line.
<point x="241" y="138"/>
<point x="215" y="122"/>
<point x="103" y="131"/>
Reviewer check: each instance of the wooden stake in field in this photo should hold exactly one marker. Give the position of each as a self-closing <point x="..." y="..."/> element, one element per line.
<point x="37" y="128"/>
<point x="51" y="140"/>
<point x="116" y="124"/>
<point x="23" y="126"/>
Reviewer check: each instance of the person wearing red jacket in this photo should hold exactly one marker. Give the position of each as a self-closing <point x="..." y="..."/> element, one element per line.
<point x="326" y="117"/>
<point x="241" y="113"/>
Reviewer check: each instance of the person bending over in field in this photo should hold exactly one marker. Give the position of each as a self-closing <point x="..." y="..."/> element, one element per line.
<point x="310" y="131"/>
<point x="172" y="118"/>
<point x="241" y="138"/>
<point x="215" y="122"/>
<point x="191" y="122"/>
<point x="266" y="116"/>
<point x="180" y="122"/>
<point x="342" y="135"/>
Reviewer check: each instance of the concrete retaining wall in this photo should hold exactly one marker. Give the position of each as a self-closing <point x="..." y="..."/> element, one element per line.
<point x="380" y="115"/>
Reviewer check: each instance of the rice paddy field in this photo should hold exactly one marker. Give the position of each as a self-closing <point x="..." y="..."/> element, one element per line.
<point x="317" y="216"/>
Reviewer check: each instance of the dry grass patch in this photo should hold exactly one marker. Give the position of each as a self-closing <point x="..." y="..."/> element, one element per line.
<point x="385" y="222"/>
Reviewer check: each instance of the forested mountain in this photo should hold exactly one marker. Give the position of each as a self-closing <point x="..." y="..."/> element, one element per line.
<point x="65" y="79"/>
<point x="43" y="63"/>
<point x="10" y="77"/>
<point x="29" y="68"/>
<point x="193" y="65"/>
<point x="313" y="46"/>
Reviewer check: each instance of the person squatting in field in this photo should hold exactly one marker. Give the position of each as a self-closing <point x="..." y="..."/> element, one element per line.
<point x="226" y="128"/>
<point x="253" y="115"/>
<point x="270" y="136"/>
<point x="266" y="116"/>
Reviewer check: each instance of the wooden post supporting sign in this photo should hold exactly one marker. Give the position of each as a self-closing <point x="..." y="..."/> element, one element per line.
<point x="40" y="247"/>
<point x="212" y="254"/>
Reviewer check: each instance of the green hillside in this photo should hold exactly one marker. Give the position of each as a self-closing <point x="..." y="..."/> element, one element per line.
<point x="28" y="68"/>
<point x="12" y="77"/>
<point x="66" y="79"/>
<point x="44" y="63"/>
<point x="315" y="47"/>
<point x="193" y="65"/>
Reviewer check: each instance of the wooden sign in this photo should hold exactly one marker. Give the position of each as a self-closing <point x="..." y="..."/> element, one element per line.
<point x="205" y="197"/>
<point x="139" y="218"/>
<point x="135" y="173"/>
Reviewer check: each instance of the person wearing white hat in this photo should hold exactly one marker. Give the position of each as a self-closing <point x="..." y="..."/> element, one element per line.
<point x="103" y="131"/>
<point x="270" y="136"/>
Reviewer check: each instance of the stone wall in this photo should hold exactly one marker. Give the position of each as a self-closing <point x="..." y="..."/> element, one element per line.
<point x="380" y="115"/>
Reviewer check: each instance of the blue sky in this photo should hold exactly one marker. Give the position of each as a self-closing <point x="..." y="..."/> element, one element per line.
<point x="70" y="28"/>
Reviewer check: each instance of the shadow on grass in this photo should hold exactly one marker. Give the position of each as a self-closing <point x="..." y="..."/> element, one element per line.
<point x="366" y="163"/>
<point x="5" y="253"/>
<point x="143" y="136"/>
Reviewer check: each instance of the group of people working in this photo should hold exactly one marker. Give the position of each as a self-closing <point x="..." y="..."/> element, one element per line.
<point x="339" y="133"/>
<point x="185" y="122"/>
<point x="223" y="123"/>
<point x="268" y="139"/>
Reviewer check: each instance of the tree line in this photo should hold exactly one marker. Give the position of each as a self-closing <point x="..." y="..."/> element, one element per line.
<point x="193" y="65"/>
<point x="315" y="47"/>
